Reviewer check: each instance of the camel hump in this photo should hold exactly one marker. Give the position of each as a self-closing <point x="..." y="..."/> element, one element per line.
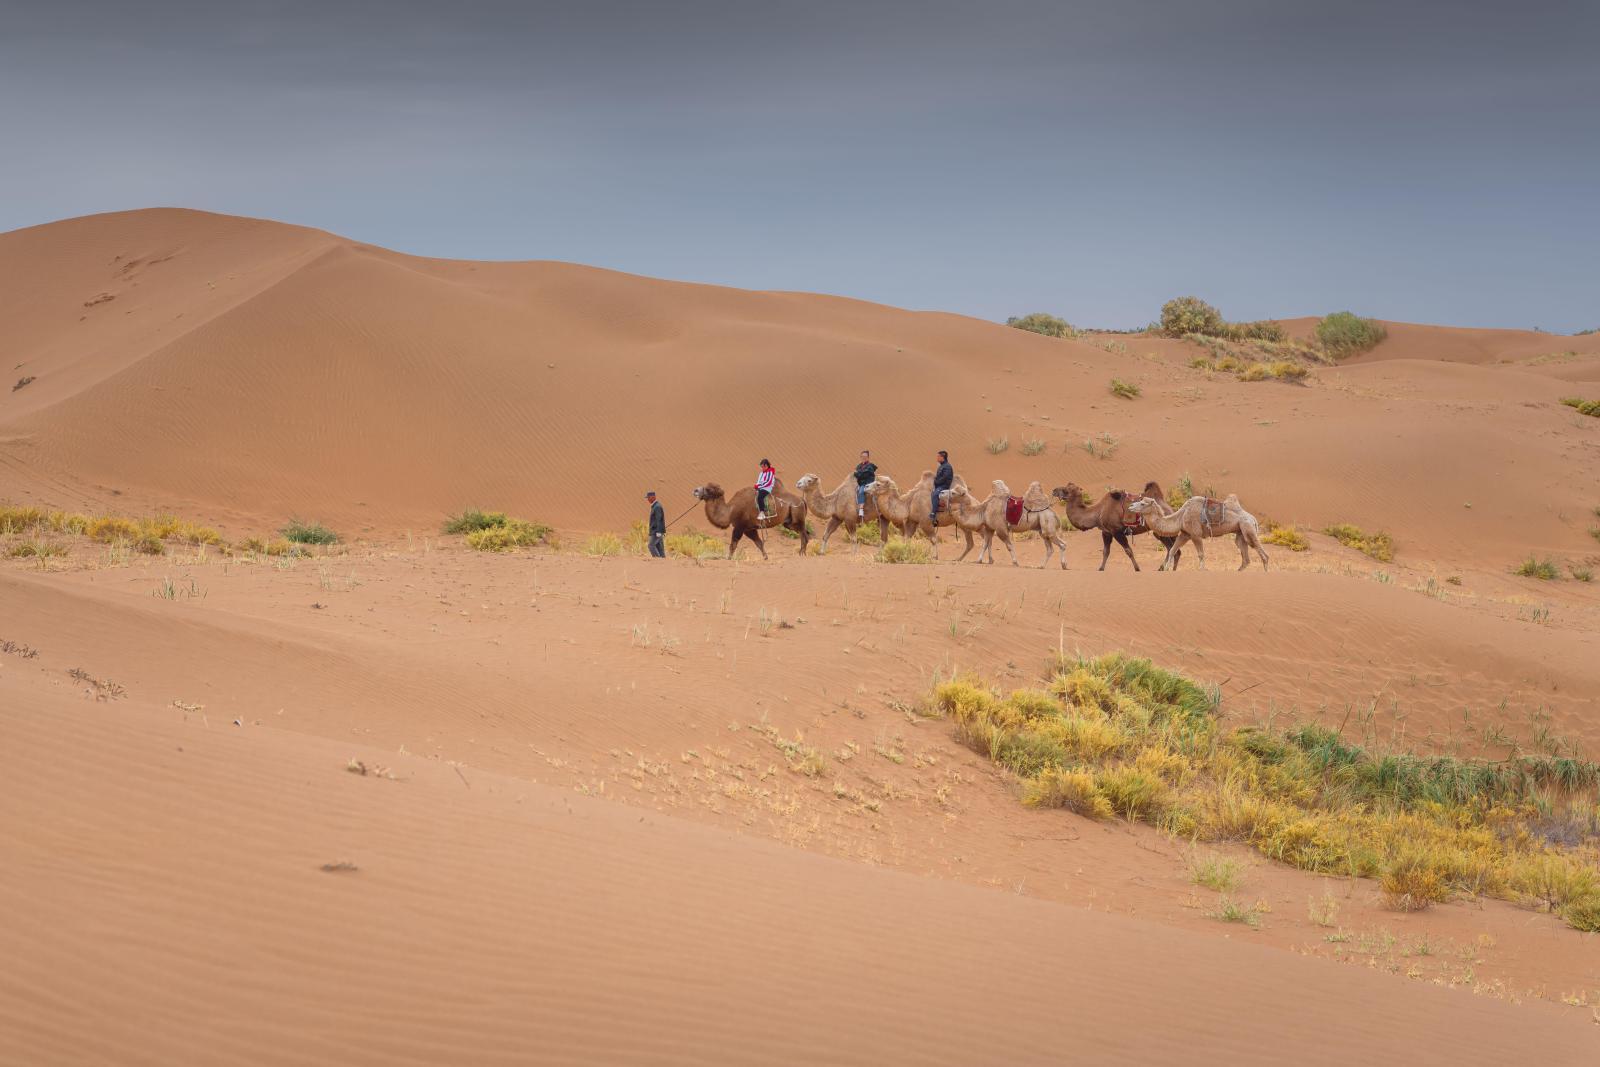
<point x="1116" y="494"/>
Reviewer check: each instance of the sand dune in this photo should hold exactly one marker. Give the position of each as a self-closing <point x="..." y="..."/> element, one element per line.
<point x="580" y="855"/>
<point x="255" y="370"/>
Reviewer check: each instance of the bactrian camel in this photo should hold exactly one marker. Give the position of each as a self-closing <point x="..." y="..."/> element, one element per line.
<point x="909" y="511"/>
<point x="741" y="515"/>
<point x="839" y="508"/>
<point x="987" y="517"/>
<point x="1112" y="516"/>
<point x="1201" y="517"/>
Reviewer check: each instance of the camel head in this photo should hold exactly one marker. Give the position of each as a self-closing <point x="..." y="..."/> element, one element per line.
<point x="1142" y="505"/>
<point x="709" y="491"/>
<point x="806" y="481"/>
<point x="1069" y="493"/>
<point x="884" y="484"/>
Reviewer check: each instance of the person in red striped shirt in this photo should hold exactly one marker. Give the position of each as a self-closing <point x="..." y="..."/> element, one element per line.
<point x="765" y="481"/>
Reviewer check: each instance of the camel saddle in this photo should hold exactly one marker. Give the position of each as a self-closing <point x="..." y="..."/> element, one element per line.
<point x="1013" y="510"/>
<point x="1216" y="511"/>
<point x="1132" y="522"/>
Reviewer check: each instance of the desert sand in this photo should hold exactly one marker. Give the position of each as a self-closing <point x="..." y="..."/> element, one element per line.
<point x="400" y="801"/>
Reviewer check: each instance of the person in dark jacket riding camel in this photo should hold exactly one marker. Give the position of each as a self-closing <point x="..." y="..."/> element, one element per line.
<point x="865" y="474"/>
<point x="943" y="478"/>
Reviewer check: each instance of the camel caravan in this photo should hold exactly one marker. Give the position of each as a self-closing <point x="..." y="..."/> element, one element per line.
<point x="1118" y="516"/>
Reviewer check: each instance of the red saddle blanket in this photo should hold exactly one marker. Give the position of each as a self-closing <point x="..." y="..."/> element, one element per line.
<point x="1132" y="521"/>
<point x="1013" y="510"/>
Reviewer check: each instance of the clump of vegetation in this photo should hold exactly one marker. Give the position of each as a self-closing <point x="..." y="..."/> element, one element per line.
<point x="1118" y="735"/>
<point x="1033" y="446"/>
<point x="1287" y="536"/>
<point x="900" y="550"/>
<point x="276" y="547"/>
<point x="1041" y="323"/>
<point x="37" y="549"/>
<point x="1190" y="315"/>
<point x="998" y="445"/>
<point x="1231" y="911"/>
<point x="867" y="534"/>
<point x="693" y="544"/>
<point x="1583" y="407"/>
<point x="107" y="529"/>
<point x="309" y="533"/>
<point x="606" y="544"/>
<point x="1380" y="546"/>
<point x="1282" y="371"/>
<point x="1103" y="447"/>
<point x="1582" y="574"/>
<point x="1344" y="333"/>
<point x="474" y="519"/>
<point x="513" y="533"/>
<point x="1126" y="390"/>
<point x="1214" y="872"/>
<point x="1543" y="569"/>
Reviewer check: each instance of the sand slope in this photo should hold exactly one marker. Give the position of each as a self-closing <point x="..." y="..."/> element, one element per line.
<point x="254" y="370"/>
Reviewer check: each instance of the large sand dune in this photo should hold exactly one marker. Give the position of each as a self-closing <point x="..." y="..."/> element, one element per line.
<point x="164" y="898"/>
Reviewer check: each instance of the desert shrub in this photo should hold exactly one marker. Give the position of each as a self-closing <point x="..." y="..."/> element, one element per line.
<point x="1033" y="446"/>
<point x="899" y="550"/>
<point x="1261" y="330"/>
<point x="867" y="534"/>
<point x="1582" y="574"/>
<point x="1412" y="881"/>
<point x="1256" y="372"/>
<point x="1181" y="491"/>
<point x="1074" y="790"/>
<point x="473" y="519"/>
<point x="1202" y="363"/>
<point x="1282" y="371"/>
<point x="606" y="544"/>
<point x="1542" y="569"/>
<point x="108" y="528"/>
<point x="1228" y="363"/>
<point x="1214" y="872"/>
<point x="37" y="549"/>
<point x="1121" y="735"/>
<point x="1583" y="407"/>
<point x="997" y="445"/>
<point x="1126" y="390"/>
<point x="147" y="544"/>
<point x="309" y="533"/>
<point x="1380" y="546"/>
<point x="1189" y="314"/>
<point x="513" y="533"/>
<point x="1041" y="323"/>
<point x="692" y="544"/>
<point x="1287" y="536"/>
<point x="1583" y="914"/>
<point x="1344" y="334"/>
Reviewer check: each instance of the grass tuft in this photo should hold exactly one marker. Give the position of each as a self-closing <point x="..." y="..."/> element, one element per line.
<point x="606" y="544"/>
<point x="997" y="445"/>
<point x="1543" y="569"/>
<point x="1380" y="546"/>
<point x="1214" y="872"/>
<point x="899" y="550"/>
<point x="1126" y="390"/>
<point x="473" y="519"/>
<point x="309" y="533"/>
<point x="1287" y="536"/>
<point x="1582" y="406"/>
<point x="1033" y="446"/>
<point x="513" y="533"/>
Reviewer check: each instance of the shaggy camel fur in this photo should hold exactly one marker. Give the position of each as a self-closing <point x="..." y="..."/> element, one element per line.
<point x="740" y="513"/>
<point x="909" y="511"/>
<point x="987" y="517"/>
<point x="839" y="508"/>
<point x="1112" y="517"/>
<point x="1200" y="518"/>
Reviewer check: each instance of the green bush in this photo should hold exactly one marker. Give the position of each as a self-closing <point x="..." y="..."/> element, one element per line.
<point x="1189" y="314"/>
<point x="1378" y="545"/>
<point x="1344" y="333"/>
<point x="1583" y="407"/>
<point x="899" y="550"/>
<point x="309" y="533"/>
<point x="1041" y="323"/>
<point x="473" y="519"/>
<point x="1542" y="569"/>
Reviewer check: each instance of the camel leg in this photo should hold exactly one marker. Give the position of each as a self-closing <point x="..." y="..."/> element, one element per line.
<point x="1199" y="549"/>
<point x="883" y="529"/>
<point x="1244" y="550"/>
<point x="1061" y="544"/>
<point x="1122" y="539"/>
<point x="1105" y="548"/>
<point x="805" y="535"/>
<point x="964" y="551"/>
<point x="1255" y="542"/>
<point x="1172" y="553"/>
<point x="833" y="524"/>
<point x="1011" y="548"/>
<point x="755" y="539"/>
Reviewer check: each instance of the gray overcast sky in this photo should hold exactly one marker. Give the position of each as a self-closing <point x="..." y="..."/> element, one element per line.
<point x="1430" y="161"/>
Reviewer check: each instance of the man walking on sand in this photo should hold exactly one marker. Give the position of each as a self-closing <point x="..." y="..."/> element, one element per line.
<point x="658" y="527"/>
<point x="866" y="474"/>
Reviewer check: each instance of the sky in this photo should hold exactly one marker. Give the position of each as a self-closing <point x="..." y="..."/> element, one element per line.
<point x="1409" y="159"/>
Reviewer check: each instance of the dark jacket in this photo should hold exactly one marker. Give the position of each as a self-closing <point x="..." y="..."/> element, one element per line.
<point x="866" y="473"/>
<point x="658" y="519"/>
<point x="944" y="477"/>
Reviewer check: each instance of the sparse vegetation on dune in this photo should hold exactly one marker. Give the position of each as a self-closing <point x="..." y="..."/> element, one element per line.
<point x="607" y="544"/>
<point x="899" y="550"/>
<point x="1344" y="333"/>
<point x="1041" y="323"/>
<point x="473" y="519"/>
<point x="1543" y="569"/>
<point x="996" y="445"/>
<point x="1191" y="315"/>
<point x="513" y="533"/>
<point x="309" y="533"/>
<point x="1033" y="446"/>
<point x="1287" y="536"/>
<point x="1582" y="406"/>
<point x="1126" y="390"/>
<point x="144" y="535"/>
<point x="1282" y="371"/>
<point x="1117" y="735"/>
<point x="1380" y="546"/>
